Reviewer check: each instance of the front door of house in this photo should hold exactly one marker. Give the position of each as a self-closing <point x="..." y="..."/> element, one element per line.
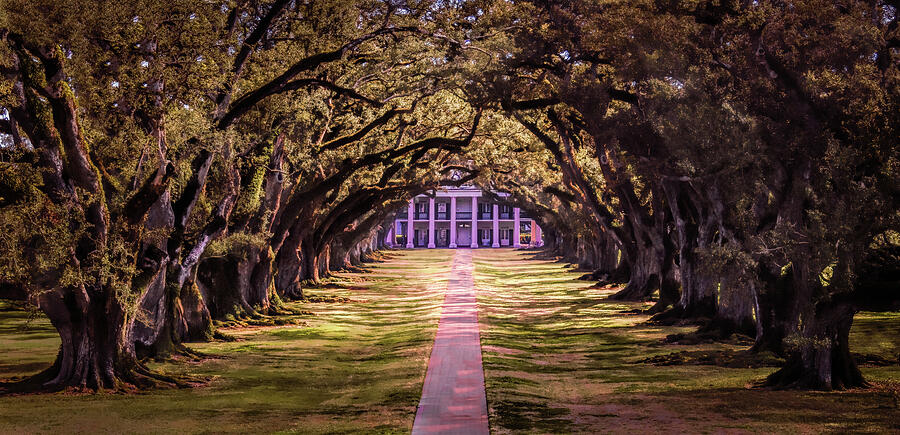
<point x="443" y="237"/>
<point x="463" y="235"/>
<point x="505" y="237"/>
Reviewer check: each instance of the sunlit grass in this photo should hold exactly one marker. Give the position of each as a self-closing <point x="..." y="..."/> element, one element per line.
<point x="354" y="367"/>
<point x="560" y="357"/>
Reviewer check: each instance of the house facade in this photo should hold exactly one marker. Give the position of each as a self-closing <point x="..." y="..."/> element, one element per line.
<point x="460" y="217"/>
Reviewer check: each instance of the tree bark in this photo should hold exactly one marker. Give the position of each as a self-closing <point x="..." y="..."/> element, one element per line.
<point x="309" y="270"/>
<point x="90" y="326"/>
<point x="819" y="356"/>
<point x="646" y="274"/>
<point x="92" y="321"/>
<point x="289" y="269"/>
<point x="94" y="352"/>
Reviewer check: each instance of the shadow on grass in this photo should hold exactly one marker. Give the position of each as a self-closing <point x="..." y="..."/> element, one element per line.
<point x="560" y="356"/>
<point x="354" y="366"/>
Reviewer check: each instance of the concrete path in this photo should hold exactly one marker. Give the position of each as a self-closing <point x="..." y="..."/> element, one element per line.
<point x="453" y="399"/>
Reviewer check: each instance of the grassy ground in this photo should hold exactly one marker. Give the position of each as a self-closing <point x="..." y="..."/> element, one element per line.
<point x="560" y="358"/>
<point x="352" y="367"/>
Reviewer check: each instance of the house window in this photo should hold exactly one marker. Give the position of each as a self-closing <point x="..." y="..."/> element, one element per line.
<point x="484" y="211"/>
<point x="421" y="210"/>
<point x="441" y="211"/>
<point x="484" y="236"/>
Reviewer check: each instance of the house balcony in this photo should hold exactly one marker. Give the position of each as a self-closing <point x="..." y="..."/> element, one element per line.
<point x="462" y="215"/>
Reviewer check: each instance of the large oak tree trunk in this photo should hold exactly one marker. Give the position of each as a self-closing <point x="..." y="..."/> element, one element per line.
<point x="152" y="311"/>
<point x="697" y="298"/>
<point x="819" y="355"/>
<point x="194" y="320"/>
<point x="291" y="267"/>
<point x="260" y="280"/>
<point x="646" y="275"/>
<point x="178" y="314"/>
<point x="219" y="281"/>
<point x="90" y="353"/>
<point x="324" y="261"/>
<point x="309" y="269"/>
<point x="670" y="275"/>
<point x="646" y="254"/>
<point x="815" y="333"/>
<point x="182" y="314"/>
<point x="288" y="270"/>
<point x="339" y="257"/>
<point x="94" y="352"/>
<point x="354" y="256"/>
<point x="735" y="310"/>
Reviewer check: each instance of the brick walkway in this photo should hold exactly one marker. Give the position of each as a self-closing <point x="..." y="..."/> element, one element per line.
<point x="453" y="400"/>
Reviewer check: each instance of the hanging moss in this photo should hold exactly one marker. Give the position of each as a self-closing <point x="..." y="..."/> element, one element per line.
<point x="32" y="72"/>
<point x="249" y="199"/>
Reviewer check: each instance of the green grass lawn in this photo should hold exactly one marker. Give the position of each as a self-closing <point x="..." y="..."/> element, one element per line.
<point x="560" y="358"/>
<point x="356" y="367"/>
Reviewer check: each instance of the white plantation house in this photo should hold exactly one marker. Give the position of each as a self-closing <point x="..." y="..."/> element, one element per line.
<point x="458" y="217"/>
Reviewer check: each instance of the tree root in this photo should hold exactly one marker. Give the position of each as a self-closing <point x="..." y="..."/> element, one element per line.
<point x="137" y="378"/>
<point x="711" y="336"/>
<point x="721" y="358"/>
<point x="793" y="377"/>
<point x="155" y="379"/>
<point x="277" y="316"/>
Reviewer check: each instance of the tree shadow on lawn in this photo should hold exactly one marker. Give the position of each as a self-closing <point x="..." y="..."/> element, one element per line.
<point x="560" y="357"/>
<point x="354" y="367"/>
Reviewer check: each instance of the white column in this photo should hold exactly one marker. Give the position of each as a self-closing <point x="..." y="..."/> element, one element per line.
<point x="389" y="237"/>
<point x="516" y="235"/>
<point x="431" y="223"/>
<point x="496" y="215"/>
<point x="452" y="221"/>
<point x="536" y="234"/>
<point x="409" y="223"/>
<point x="474" y="221"/>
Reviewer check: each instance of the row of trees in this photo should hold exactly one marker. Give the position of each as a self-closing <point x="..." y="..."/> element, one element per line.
<point x="735" y="160"/>
<point x="167" y="165"/>
<point x="170" y="164"/>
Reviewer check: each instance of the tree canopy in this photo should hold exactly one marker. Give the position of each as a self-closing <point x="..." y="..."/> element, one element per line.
<point x="164" y="164"/>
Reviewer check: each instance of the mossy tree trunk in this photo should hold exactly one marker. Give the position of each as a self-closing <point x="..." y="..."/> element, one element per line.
<point x="818" y="347"/>
<point x="647" y="254"/>
<point x="91" y="318"/>
<point x="91" y="328"/>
